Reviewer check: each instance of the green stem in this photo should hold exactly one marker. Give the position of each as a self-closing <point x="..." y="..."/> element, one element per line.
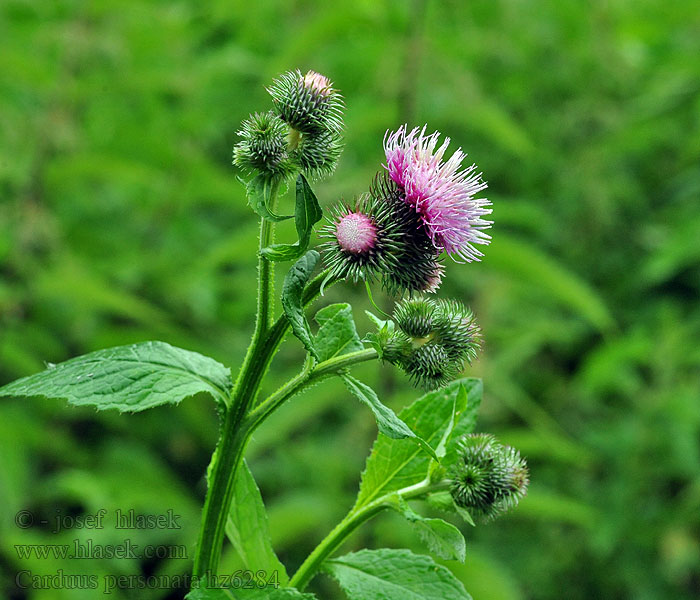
<point x="356" y="517"/>
<point x="237" y="428"/>
<point x="234" y="434"/>
<point x="307" y="377"/>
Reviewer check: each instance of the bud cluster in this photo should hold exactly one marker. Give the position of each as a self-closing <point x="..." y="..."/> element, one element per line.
<point x="488" y="478"/>
<point x="432" y="340"/>
<point x="303" y="133"/>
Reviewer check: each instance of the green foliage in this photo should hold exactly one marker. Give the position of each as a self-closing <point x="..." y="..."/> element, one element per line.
<point x="259" y="191"/>
<point x="443" y="539"/>
<point x="337" y="333"/>
<point x="294" y="281"/>
<point x="394" y="575"/>
<point x="248" y="530"/>
<point x="397" y="463"/>
<point x="122" y="220"/>
<point x="307" y="213"/>
<point x="388" y="423"/>
<point x="128" y="378"/>
<point x="248" y="594"/>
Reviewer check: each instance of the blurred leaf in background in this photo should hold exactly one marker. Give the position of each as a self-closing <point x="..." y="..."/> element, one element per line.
<point x="121" y="220"/>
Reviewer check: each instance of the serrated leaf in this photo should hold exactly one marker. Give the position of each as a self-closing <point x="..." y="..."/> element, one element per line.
<point x="387" y="422"/>
<point x="128" y="378"/>
<point x="337" y="334"/>
<point x="247" y="527"/>
<point x="259" y="191"/>
<point x="307" y="213"/>
<point x="292" y="293"/>
<point x="252" y="593"/>
<point x="394" y="575"/>
<point x="442" y="538"/>
<point x="396" y="463"/>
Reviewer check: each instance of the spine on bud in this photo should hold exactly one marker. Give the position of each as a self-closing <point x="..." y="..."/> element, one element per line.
<point x="488" y="478"/>
<point x="433" y="339"/>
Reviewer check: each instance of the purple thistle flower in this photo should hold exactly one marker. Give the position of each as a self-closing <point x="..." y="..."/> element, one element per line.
<point x="441" y="193"/>
<point x="356" y="233"/>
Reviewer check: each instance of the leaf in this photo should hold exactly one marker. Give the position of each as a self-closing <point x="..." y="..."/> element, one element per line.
<point x="128" y="378"/>
<point x="306" y="214"/>
<point x="337" y="334"/>
<point x="394" y="575"/>
<point x="248" y="593"/>
<point x="259" y="191"/>
<point x="384" y="331"/>
<point x="247" y="527"/>
<point x="396" y="463"/>
<point x="443" y="501"/>
<point x="387" y="421"/>
<point x="442" y="538"/>
<point x="459" y="405"/>
<point x="292" y="292"/>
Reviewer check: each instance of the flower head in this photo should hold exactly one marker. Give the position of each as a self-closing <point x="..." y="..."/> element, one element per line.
<point x="488" y="478"/>
<point x="356" y="233"/>
<point x="263" y="147"/>
<point x="308" y="103"/>
<point x="380" y="238"/>
<point x="441" y="192"/>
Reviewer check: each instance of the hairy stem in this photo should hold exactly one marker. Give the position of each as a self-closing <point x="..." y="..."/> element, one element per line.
<point x="307" y="377"/>
<point x="356" y="517"/>
<point x="234" y="434"/>
<point x="237" y="427"/>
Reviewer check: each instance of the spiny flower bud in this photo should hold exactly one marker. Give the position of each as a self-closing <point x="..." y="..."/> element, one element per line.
<point x="318" y="153"/>
<point x="308" y="103"/>
<point x="263" y="148"/>
<point x="433" y="339"/>
<point x="361" y="240"/>
<point x="419" y="269"/>
<point x="488" y="478"/>
<point x="402" y="256"/>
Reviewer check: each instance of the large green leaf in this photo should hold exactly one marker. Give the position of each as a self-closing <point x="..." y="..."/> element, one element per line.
<point x="387" y="422"/>
<point x="443" y="539"/>
<point x="292" y="293"/>
<point x="396" y="463"/>
<point x="337" y="334"/>
<point x="306" y="214"/>
<point x="247" y="527"/>
<point x="128" y="378"/>
<point x="394" y="575"/>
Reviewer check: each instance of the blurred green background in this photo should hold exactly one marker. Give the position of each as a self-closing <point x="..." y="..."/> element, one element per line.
<point x="121" y="220"/>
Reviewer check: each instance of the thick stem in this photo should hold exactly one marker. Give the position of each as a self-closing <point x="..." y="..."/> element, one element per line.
<point x="307" y="377"/>
<point x="237" y="428"/>
<point x="356" y="517"/>
<point x="234" y="433"/>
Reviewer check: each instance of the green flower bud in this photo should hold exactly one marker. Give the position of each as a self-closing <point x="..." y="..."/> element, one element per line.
<point x="318" y="153"/>
<point x="488" y="478"/>
<point x="432" y="341"/>
<point x="308" y="103"/>
<point x="263" y="148"/>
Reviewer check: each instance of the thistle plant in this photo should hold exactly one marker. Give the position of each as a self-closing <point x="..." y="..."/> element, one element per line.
<point x="420" y="209"/>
